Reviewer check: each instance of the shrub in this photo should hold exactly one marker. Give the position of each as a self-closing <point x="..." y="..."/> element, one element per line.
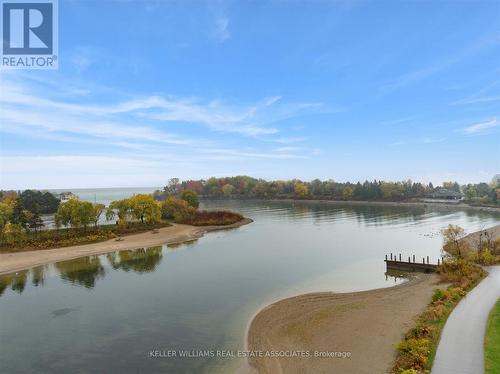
<point x="191" y="198"/>
<point x="416" y="350"/>
<point x="177" y="209"/>
<point x="208" y="218"/>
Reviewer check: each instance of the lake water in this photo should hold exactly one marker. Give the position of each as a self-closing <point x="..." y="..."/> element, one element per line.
<point x="106" y="313"/>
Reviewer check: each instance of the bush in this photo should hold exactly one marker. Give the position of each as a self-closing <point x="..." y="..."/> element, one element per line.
<point x="416" y="351"/>
<point x="461" y="273"/>
<point x="177" y="209"/>
<point x="191" y="198"/>
<point x="209" y="218"/>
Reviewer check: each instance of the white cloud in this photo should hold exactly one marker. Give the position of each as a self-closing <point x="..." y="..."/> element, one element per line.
<point x="481" y="128"/>
<point x="477" y="100"/>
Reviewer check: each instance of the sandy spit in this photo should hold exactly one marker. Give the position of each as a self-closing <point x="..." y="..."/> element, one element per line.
<point x="367" y="324"/>
<point x="177" y="233"/>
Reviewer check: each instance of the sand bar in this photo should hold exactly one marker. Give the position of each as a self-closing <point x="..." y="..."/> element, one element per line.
<point x="367" y="324"/>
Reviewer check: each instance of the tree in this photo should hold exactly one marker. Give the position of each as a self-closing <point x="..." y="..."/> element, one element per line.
<point x="347" y="193"/>
<point x="172" y="187"/>
<point x="18" y="216"/>
<point x="35" y="222"/>
<point x="5" y="214"/>
<point x="453" y="243"/>
<point x="300" y="189"/>
<point x="176" y="209"/>
<point x="121" y="208"/>
<point x="227" y="190"/>
<point x="144" y="207"/>
<point x="191" y="198"/>
<point x="75" y="213"/>
<point x="44" y="202"/>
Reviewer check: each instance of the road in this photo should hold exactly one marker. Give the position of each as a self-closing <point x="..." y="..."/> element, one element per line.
<point x="461" y="349"/>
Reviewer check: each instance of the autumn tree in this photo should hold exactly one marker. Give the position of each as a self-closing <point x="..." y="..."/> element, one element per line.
<point x="300" y="189"/>
<point x="191" y="198"/>
<point x="227" y="190"/>
<point x="453" y="240"/>
<point x="347" y="193"/>
<point x="145" y="208"/>
<point x="75" y="213"/>
<point x="176" y="209"/>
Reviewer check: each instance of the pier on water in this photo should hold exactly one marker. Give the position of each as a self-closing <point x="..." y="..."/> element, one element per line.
<point x="411" y="264"/>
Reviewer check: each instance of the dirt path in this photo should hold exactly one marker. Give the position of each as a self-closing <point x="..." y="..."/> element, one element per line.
<point x="12" y="262"/>
<point x="461" y="348"/>
<point x="366" y="324"/>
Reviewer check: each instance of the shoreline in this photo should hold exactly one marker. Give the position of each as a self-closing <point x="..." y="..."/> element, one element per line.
<point x="447" y="206"/>
<point x="175" y="234"/>
<point x="337" y="322"/>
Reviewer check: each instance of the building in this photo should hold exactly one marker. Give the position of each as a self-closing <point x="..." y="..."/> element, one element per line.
<point x="66" y="196"/>
<point x="445" y="194"/>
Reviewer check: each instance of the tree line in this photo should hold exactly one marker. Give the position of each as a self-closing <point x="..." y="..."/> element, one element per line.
<point x="248" y="187"/>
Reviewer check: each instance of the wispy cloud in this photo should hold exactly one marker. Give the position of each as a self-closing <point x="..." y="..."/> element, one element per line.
<point x="221" y="31"/>
<point x="251" y="120"/>
<point x="481" y="127"/>
<point x="437" y="66"/>
<point x="477" y="100"/>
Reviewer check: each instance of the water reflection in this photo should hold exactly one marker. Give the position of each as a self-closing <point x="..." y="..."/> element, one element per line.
<point x="16" y="281"/>
<point x="82" y="271"/>
<point x="188" y="243"/>
<point x="85" y="271"/>
<point x="139" y="260"/>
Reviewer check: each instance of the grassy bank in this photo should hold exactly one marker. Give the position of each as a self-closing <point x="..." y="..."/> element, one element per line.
<point x="492" y="341"/>
<point x="415" y="354"/>
<point x="47" y="239"/>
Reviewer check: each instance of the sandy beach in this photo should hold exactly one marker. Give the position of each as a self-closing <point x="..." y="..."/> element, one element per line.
<point x="177" y="233"/>
<point x="367" y="325"/>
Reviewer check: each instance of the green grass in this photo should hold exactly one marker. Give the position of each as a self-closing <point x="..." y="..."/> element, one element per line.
<point x="492" y="341"/>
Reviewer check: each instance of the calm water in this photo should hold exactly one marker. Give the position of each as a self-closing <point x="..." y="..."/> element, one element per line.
<point x="105" y="313"/>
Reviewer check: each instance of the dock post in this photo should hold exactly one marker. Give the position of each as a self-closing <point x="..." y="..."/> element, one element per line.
<point x="413" y="258"/>
<point x="391" y="256"/>
<point x="409" y="259"/>
<point x="423" y="260"/>
<point x="400" y="257"/>
<point x="438" y="262"/>
<point x="386" y="257"/>
<point x="427" y="259"/>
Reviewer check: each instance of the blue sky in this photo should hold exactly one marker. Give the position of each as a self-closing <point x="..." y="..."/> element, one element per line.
<point x="343" y="90"/>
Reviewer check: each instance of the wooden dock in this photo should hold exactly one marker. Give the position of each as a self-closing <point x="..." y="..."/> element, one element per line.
<point x="397" y="263"/>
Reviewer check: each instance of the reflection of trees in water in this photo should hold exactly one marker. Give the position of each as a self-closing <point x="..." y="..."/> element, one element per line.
<point x="82" y="271"/>
<point x="38" y="275"/>
<point x="86" y="270"/>
<point x="16" y="281"/>
<point x="142" y="260"/>
<point x="188" y="243"/>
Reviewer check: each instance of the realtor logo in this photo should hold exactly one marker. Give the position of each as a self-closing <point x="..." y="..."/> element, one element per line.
<point x="29" y="34"/>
